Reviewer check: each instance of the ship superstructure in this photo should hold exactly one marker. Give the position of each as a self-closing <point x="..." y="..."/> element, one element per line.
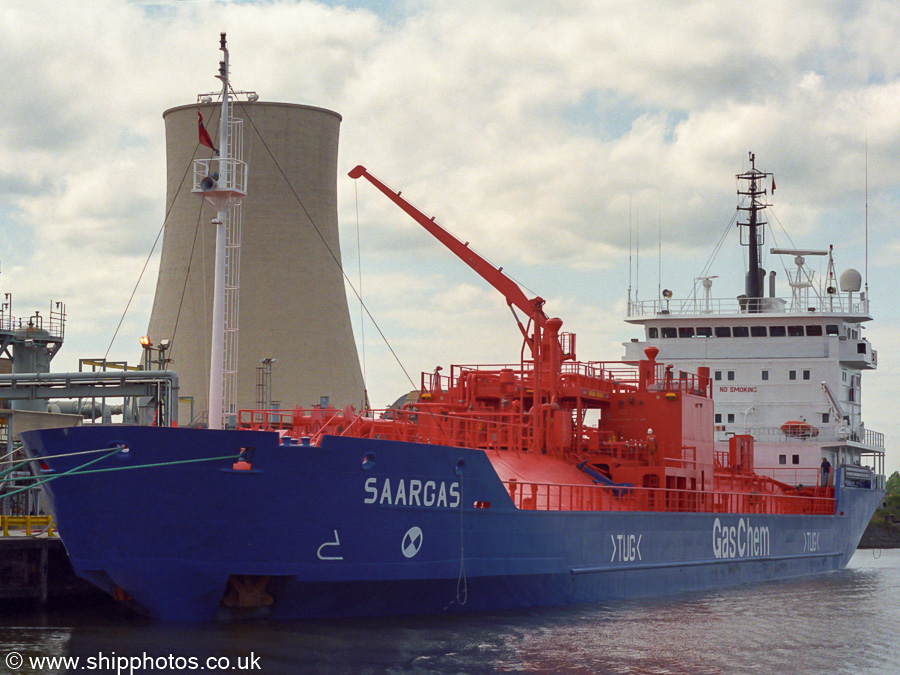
<point x="785" y="370"/>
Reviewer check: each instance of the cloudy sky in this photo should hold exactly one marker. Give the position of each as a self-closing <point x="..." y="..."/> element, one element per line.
<point x="557" y="137"/>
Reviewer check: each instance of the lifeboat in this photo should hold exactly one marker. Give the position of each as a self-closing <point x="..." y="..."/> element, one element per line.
<point x="796" y="429"/>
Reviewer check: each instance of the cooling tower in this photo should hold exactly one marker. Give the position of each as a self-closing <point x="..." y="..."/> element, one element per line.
<point x="293" y="307"/>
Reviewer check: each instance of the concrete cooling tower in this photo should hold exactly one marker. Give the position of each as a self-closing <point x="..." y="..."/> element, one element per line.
<point x="293" y="308"/>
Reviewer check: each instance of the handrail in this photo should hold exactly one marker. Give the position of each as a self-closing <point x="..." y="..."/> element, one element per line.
<point x="18" y="522"/>
<point x="559" y="497"/>
<point x="701" y="306"/>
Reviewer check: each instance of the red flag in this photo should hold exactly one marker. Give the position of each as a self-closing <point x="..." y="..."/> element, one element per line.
<point x="773" y="185"/>
<point x="204" y="134"/>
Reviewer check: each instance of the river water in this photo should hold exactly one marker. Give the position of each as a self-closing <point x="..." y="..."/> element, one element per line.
<point x="844" y="622"/>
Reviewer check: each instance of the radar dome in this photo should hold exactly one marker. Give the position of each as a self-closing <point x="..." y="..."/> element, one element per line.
<point x="851" y="280"/>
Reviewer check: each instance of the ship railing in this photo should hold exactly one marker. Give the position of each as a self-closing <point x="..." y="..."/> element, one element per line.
<point x="612" y="376"/>
<point x="828" y="433"/>
<point x="608" y="375"/>
<point x="559" y="497"/>
<point x="731" y="306"/>
<point x="688" y="459"/>
<point x="473" y="429"/>
<point x="874" y="439"/>
<point x="795" y="476"/>
<point x="721" y="459"/>
<point x="602" y="443"/>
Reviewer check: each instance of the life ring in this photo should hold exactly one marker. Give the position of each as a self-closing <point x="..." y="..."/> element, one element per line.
<point x="797" y="429"/>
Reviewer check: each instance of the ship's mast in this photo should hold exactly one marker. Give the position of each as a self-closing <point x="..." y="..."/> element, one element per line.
<point x="755" y="232"/>
<point x="222" y="181"/>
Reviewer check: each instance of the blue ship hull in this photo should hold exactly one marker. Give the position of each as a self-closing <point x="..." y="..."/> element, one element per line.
<point x="374" y="527"/>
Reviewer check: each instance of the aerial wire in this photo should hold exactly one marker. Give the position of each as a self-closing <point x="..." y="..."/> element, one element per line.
<point x="334" y="257"/>
<point x="147" y="261"/>
<point x="362" y="321"/>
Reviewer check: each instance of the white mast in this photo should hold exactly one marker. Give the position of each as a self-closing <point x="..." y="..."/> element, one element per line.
<point x="223" y="189"/>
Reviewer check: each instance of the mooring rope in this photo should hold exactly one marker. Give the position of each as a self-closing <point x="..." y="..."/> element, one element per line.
<point x="65" y="473"/>
<point x="462" y="583"/>
<point x="79" y="470"/>
<point x="151" y="466"/>
<point x="8" y="471"/>
<point x="43" y="457"/>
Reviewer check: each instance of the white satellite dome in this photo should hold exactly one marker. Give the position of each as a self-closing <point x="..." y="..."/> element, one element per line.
<point x="850" y="280"/>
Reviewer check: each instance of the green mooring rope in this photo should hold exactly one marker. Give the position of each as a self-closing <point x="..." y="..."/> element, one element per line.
<point x="150" y="466"/>
<point x="78" y="469"/>
<point x="60" y="475"/>
<point x="10" y="470"/>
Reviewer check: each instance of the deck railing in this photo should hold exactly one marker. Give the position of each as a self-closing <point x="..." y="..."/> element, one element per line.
<point x="829" y="433"/>
<point x="555" y="497"/>
<point x="732" y="306"/>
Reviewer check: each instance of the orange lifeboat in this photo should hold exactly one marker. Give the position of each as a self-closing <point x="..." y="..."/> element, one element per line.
<point x="796" y="429"/>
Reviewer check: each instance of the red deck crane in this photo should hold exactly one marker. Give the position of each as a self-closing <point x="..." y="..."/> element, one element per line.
<point x="546" y="349"/>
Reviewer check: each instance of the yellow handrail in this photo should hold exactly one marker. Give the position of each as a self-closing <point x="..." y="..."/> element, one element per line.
<point x="18" y="522"/>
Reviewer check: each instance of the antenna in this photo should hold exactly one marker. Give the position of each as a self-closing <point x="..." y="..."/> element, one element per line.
<point x="637" y="255"/>
<point x="629" y="255"/>
<point x="867" y="216"/>
<point x="658" y="249"/>
<point x="755" y="231"/>
<point x="707" y="283"/>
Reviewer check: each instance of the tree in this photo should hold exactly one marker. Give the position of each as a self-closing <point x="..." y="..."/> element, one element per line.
<point x="893" y="484"/>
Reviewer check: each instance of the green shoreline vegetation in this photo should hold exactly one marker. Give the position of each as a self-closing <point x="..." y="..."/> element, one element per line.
<point x="884" y="528"/>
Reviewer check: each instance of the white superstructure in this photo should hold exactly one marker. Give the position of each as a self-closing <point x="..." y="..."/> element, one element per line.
<point x="786" y="370"/>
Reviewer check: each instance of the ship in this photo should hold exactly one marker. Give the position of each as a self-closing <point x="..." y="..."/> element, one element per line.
<point x="546" y="481"/>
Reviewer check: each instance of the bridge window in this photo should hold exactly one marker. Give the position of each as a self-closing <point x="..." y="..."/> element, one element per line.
<point x="861" y="348"/>
<point x="740" y="331"/>
<point x="653" y="333"/>
<point x="704" y="331"/>
<point x="777" y="331"/>
<point x="723" y="331"/>
<point x="831" y="329"/>
<point x="813" y="331"/>
<point x="685" y="332"/>
<point x="669" y="332"/>
<point x="795" y="331"/>
<point x="757" y="331"/>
